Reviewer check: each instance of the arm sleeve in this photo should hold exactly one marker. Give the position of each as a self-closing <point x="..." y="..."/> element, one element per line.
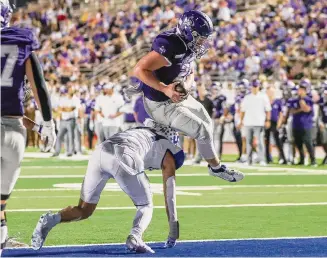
<point x="162" y="46"/>
<point x="41" y="87"/>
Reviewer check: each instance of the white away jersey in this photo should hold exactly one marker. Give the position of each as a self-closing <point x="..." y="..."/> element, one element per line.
<point x="143" y="148"/>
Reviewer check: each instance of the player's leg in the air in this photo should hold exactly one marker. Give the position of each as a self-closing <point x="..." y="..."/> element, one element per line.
<point x="191" y="118"/>
<point x="98" y="173"/>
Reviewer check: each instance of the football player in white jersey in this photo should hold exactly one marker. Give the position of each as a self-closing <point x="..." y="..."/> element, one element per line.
<point x="125" y="156"/>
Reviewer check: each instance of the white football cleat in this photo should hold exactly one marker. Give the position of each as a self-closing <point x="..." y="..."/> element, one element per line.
<point x="43" y="227"/>
<point x="135" y="244"/>
<point x="226" y="173"/>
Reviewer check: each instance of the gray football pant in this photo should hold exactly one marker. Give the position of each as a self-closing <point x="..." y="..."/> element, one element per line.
<point x="66" y="127"/>
<point x="110" y="131"/>
<point x="189" y="117"/>
<point x="257" y="132"/>
<point x="104" y="165"/>
<point x="13" y="137"/>
<point x="98" y="128"/>
<point x="78" y="138"/>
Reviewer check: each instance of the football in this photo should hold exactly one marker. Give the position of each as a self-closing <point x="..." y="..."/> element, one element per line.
<point x="180" y="87"/>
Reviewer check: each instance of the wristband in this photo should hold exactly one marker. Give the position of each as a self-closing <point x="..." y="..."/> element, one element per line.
<point x="37" y="128"/>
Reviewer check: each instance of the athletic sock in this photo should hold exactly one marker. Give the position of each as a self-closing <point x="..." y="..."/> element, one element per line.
<point x="216" y="167"/>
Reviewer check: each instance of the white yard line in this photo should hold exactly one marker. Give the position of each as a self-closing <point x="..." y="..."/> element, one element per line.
<point x="55" y="196"/>
<point x="188" y="175"/>
<point x="195" y="188"/>
<point x="192" y="206"/>
<point x="214" y="193"/>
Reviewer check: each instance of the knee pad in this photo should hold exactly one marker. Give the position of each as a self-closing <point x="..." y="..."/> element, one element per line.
<point x="4" y="197"/>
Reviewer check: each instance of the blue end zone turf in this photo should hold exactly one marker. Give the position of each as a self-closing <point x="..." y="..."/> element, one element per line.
<point x="304" y="247"/>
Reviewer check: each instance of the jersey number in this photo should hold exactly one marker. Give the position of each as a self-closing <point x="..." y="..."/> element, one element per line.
<point x="11" y="51"/>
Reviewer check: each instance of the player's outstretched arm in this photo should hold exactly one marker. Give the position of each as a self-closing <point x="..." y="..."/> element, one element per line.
<point x="35" y="76"/>
<point x="169" y="186"/>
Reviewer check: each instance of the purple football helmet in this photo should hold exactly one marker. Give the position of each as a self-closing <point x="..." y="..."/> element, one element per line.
<point x="255" y="83"/>
<point x="289" y="84"/>
<point x="6" y="11"/>
<point x="242" y="85"/>
<point x="294" y="91"/>
<point x="196" y="29"/>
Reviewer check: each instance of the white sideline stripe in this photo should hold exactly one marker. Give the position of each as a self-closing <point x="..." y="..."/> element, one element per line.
<point x="188" y="241"/>
<point x="188" y="175"/>
<point x="193" y="206"/>
<point x="213" y="187"/>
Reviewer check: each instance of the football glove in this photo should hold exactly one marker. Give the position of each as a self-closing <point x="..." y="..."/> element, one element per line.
<point x="48" y="135"/>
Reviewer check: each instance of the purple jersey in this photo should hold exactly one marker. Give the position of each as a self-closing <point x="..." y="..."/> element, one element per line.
<point x="276" y="106"/>
<point x="180" y="59"/>
<point x="17" y="45"/>
<point x="302" y="120"/>
<point x="220" y="104"/>
<point x="89" y="106"/>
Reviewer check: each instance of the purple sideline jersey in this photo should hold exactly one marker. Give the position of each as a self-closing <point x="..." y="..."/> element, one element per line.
<point x="17" y="45"/>
<point x="180" y="57"/>
<point x="140" y="110"/>
<point x="277" y="107"/>
<point x="89" y="106"/>
<point x="219" y="104"/>
<point x="302" y="120"/>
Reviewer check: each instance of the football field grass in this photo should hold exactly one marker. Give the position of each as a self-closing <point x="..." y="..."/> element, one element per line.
<point x="270" y="202"/>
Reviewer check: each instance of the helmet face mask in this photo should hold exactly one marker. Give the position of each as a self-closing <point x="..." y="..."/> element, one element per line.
<point x="196" y="30"/>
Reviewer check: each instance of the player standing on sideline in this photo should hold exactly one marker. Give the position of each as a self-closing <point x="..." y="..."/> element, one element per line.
<point x="323" y="121"/>
<point x="221" y="112"/>
<point x="125" y="156"/>
<point x="171" y="58"/>
<point x="18" y="60"/>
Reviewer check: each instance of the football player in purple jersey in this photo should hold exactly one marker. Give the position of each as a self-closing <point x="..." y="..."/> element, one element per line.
<point x="172" y="58"/>
<point x="18" y="60"/>
<point x="323" y="119"/>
